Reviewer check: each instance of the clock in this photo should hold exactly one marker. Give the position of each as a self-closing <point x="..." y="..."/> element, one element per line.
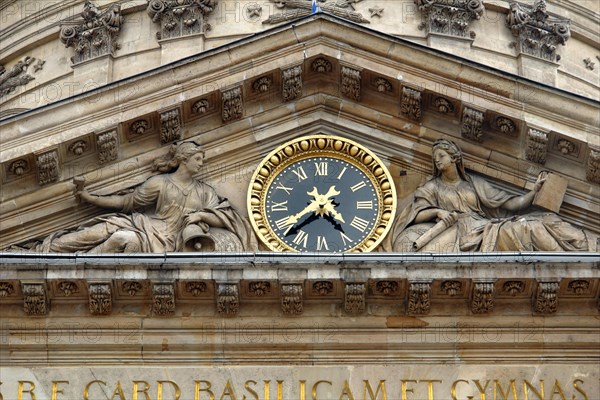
<point x="321" y="193"/>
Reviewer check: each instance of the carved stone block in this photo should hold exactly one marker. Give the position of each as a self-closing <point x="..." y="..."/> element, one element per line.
<point x="170" y="126"/>
<point x="180" y="18"/>
<point x="163" y="299"/>
<point x="35" y="300"/>
<point x="355" y="298"/>
<point x="200" y="107"/>
<point x="19" y="167"/>
<point x="350" y="85"/>
<point x="259" y="288"/>
<point x="47" y="166"/>
<point x="483" y="298"/>
<point x="537" y="146"/>
<point x="131" y="287"/>
<point x="195" y="288"/>
<point x="546" y="300"/>
<point x="386" y="288"/>
<point x="410" y="104"/>
<point x="107" y="144"/>
<point x="552" y="193"/>
<point x="419" y="298"/>
<point x="100" y="300"/>
<point x="228" y="299"/>
<point x="232" y="104"/>
<point x="322" y="288"/>
<point x="472" y="124"/>
<point x="513" y="288"/>
<point x="294" y="9"/>
<point x="592" y="172"/>
<point x="67" y="288"/>
<point x="291" y="299"/>
<point x="291" y="79"/>
<point x="262" y="85"/>
<point x="451" y="18"/>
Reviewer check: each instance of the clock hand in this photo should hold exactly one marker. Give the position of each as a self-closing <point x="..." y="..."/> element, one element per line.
<point x="329" y="207"/>
<point x="293" y="219"/>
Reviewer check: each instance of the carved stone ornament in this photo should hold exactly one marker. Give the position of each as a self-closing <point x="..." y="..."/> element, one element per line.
<point x="451" y="288"/>
<point x="506" y="126"/>
<point x="179" y="18"/>
<point x="513" y="288"/>
<point x="163" y="299"/>
<point x="67" y="288"/>
<point x="291" y="79"/>
<point x="351" y="83"/>
<point x="107" y="144"/>
<point x="18" y="167"/>
<point x="195" y="288"/>
<point x="376" y="12"/>
<point x="294" y="9"/>
<point x="410" y="105"/>
<point x="450" y="18"/>
<point x="537" y="146"/>
<point x="322" y="288"/>
<point x="139" y="127"/>
<point x="592" y="172"/>
<point x="483" y="298"/>
<point x="419" y="298"/>
<point x="200" y="107"/>
<point x="546" y="300"/>
<point x="579" y="286"/>
<point x="78" y="147"/>
<point x="96" y="35"/>
<point x="170" y="126"/>
<point x="100" y="298"/>
<point x="47" y="165"/>
<point x="254" y="10"/>
<point x="131" y="287"/>
<point x="566" y="147"/>
<point x="15" y="76"/>
<point x="262" y="85"/>
<point x="589" y="64"/>
<point x="35" y="301"/>
<point x="383" y="85"/>
<point x="386" y="288"/>
<point x="321" y="65"/>
<point x="355" y="298"/>
<point x="6" y="289"/>
<point x="259" y="288"/>
<point x="232" y="104"/>
<point x="291" y="299"/>
<point x="228" y="299"/>
<point x="472" y="124"/>
<point x="538" y="34"/>
<point x="443" y="106"/>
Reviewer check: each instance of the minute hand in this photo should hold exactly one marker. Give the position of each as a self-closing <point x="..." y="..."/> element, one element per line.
<point x="293" y="219"/>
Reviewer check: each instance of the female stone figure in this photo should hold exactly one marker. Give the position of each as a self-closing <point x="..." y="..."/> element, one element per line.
<point x="457" y="212"/>
<point x="171" y="211"/>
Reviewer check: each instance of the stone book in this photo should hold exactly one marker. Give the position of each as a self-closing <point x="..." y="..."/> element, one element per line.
<point x="552" y="193"/>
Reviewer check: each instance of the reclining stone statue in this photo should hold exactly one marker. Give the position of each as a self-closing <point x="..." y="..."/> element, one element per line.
<point x="459" y="212"/>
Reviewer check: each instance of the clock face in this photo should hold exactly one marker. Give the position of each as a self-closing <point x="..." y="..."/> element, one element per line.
<point x="321" y="193"/>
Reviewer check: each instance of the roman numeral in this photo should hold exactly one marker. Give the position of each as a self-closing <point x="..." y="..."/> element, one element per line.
<point x="279" y="206"/>
<point x="300" y="174"/>
<point x="301" y="238"/>
<point x="322" y="243"/>
<point x="284" y="188"/>
<point x="321" y="168"/>
<point x="359" y="185"/>
<point x="359" y="224"/>
<point x="345" y="238"/>
<point x="364" y="205"/>
<point x="283" y="223"/>
<point x="342" y="173"/>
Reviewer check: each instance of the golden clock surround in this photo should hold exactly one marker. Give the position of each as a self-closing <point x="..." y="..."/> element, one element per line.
<point x="321" y="145"/>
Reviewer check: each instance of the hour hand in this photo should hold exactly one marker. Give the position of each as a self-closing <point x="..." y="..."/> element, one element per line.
<point x="293" y="219"/>
<point x="331" y="210"/>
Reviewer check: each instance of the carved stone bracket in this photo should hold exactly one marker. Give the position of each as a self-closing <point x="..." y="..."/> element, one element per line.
<point x="107" y="144"/>
<point x="538" y="34"/>
<point x="179" y="18"/>
<point x="351" y="83"/>
<point x="16" y="76"/>
<point x="537" y="146"/>
<point x="96" y="35"/>
<point x="472" y="124"/>
<point x="100" y="298"/>
<point x="419" y="298"/>
<point x="411" y="103"/>
<point x="232" y="104"/>
<point x="163" y="299"/>
<point x="355" y="298"/>
<point x="35" y="300"/>
<point x="228" y="299"/>
<point x="546" y="299"/>
<point x="483" y="298"/>
<point x="47" y="166"/>
<point x="592" y="172"/>
<point x="450" y="18"/>
<point x="170" y="126"/>
<point x="294" y="9"/>
<point x="291" y="299"/>
<point x="291" y="79"/>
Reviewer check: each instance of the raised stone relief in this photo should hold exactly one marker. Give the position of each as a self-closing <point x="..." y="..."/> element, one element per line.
<point x="35" y="300"/>
<point x="163" y="299"/>
<point x="451" y="18"/>
<point x="172" y="211"/>
<point x="472" y="124"/>
<point x="47" y="166"/>
<point x="100" y="300"/>
<point x="350" y="85"/>
<point x="410" y="105"/>
<point x="483" y="298"/>
<point x="170" y="129"/>
<point x="228" y="299"/>
<point x="293" y="9"/>
<point x="537" y="146"/>
<point x="96" y="35"/>
<point x="592" y="172"/>
<point x="107" y="144"/>
<point x="538" y="34"/>
<point x="15" y="76"/>
<point x="179" y="18"/>
<point x="291" y="299"/>
<point x="456" y="212"/>
<point x="291" y="79"/>
<point x="355" y="298"/>
<point x="546" y="301"/>
<point x="232" y="104"/>
<point x="419" y="298"/>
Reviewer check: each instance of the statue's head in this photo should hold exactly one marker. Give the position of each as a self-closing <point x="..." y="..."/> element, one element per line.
<point x="178" y="153"/>
<point x="453" y="151"/>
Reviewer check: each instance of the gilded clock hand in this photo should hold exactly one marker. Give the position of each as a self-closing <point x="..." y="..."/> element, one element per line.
<point x="293" y="219"/>
<point x="330" y="208"/>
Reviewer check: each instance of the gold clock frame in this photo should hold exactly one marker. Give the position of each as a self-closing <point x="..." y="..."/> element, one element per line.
<point x="321" y="146"/>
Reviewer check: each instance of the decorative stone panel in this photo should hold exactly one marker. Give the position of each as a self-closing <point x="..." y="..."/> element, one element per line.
<point x="15" y="76"/>
<point x="350" y="85"/>
<point x="100" y="298"/>
<point x="294" y="9"/>
<point x="513" y="288"/>
<point x="386" y="288"/>
<point x="592" y="172"/>
<point x="107" y="145"/>
<point x="291" y="81"/>
<point x="538" y="34"/>
<point x="35" y="300"/>
<point x="170" y="126"/>
<point x="131" y="287"/>
<point x="451" y="288"/>
<point x="200" y="107"/>
<point x="419" y="298"/>
<point x="259" y="288"/>
<point x="163" y="299"/>
<point x="483" y="298"/>
<point x="291" y="299"/>
<point x="232" y="104"/>
<point x="228" y="299"/>
<point x="96" y="35"/>
<point x="322" y="288"/>
<point x="354" y="298"/>
<point x="382" y="85"/>
<point x="47" y="166"/>
<point x="450" y="18"/>
<point x="537" y="146"/>
<point x="472" y="124"/>
<point x="410" y="104"/>
<point x="18" y="168"/>
<point x="262" y="85"/>
<point x="546" y="299"/>
<point x="179" y="18"/>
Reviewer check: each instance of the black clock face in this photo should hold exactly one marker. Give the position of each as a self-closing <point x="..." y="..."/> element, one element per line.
<point x="322" y="204"/>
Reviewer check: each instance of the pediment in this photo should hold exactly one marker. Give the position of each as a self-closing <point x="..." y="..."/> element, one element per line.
<point x="321" y="75"/>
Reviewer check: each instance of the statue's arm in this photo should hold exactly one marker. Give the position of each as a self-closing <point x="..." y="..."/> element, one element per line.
<point x="519" y="203"/>
<point x="114" y="202"/>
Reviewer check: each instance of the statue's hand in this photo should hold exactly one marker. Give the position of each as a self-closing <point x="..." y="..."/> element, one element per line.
<point x="540" y="181"/>
<point x="447" y="217"/>
<point x="195" y="217"/>
<point x="84" y="195"/>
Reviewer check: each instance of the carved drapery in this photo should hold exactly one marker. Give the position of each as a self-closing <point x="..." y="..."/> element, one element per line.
<point x="228" y="299"/>
<point x="291" y="299"/>
<point x="35" y="301"/>
<point x="48" y="168"/>
<point x="163" y="299"/>
<point x="538" y="34"/>
<point x="351" y="83"/>
<point x="179" y="18"/>
<point x="294" y="9"/>
<point x="170" y="126"/>
<point x="96" y="35"/>
<point x="107" y="144"/>
<point x="546" y="300"/>
<point x="291" y="79"/>
<point x="232" y="104"/>
<point x="472" y="124"/>
<point x="450" y="17"/>
<point x="419" y="298"/>
<point x="355" y="298"/>
<point x="410" y="105"/>
<point x="483" y="298"/>
<point x="100" y="298"/>
<point x="537" y="146"/>
<point x="15" y="76"/>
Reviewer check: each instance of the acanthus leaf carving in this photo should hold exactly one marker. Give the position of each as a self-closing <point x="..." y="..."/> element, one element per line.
<point x="48" y="168"/>
<point x="170" y="129"/>
<point x="163" y="299"/>
<point x="100" y="298"/>
<point x="35" y="300"/>
<point x="483" y="298"/>
<point x="355" y="298"/>
<point x="179" y="18"/>
<point x="419" y="298"/>
<point x="546" y="300"/>
<point x="538" y="34"/>
<point x="291" y="79"/>
<point x="107" y="144"/>
<point x="450" y="18"/>
<point x="410" y="104"/>
<point x="228" y="299"/>
<point x="537" y="146"/>
<point x="350" y="85"/>
<point x="96" y="35"/>
<point x="299" y="8"/>
<point x="15" y="76"/>
<point x="472" y="124"/>
<point x="291" y="299"/>
<point x="592" y="172"/>
<point x="232" y="104"/>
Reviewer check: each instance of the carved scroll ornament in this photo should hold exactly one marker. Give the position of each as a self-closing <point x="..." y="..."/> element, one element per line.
<point x="450" y="17"/>
<point x="179" y="18"/>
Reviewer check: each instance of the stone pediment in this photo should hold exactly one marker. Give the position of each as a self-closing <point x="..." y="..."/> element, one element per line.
<point x="319" y="75"/>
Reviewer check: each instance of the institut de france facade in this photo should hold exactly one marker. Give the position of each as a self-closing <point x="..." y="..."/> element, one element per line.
<point x="296" y="199"/>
